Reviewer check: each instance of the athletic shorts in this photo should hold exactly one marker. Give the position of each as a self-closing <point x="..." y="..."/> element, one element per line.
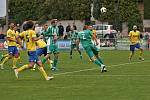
<point x="33" y="56"/>
<point x="41" y="51"/>
<point x="52" y="49"/>
<point x="12" y="50"/>
<point x="132" y="47"/>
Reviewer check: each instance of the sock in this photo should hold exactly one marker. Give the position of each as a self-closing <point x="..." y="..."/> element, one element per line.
<point x="43" y="72"/>
<point x="71" y="53"/>
<point x="100" y="60"/>
<point x="140" y="54"/>
<point x="14" y="62"/>
<point x="131" y="54"/>
<point x="23" y="68"/>
<point x="80" y="52"/>
<point x="5" y="60"/>
<point x="55" y="62"/>
<point x="44" y="60"/>
<point x="97" y="62"/>
<point x="34" y="66"/>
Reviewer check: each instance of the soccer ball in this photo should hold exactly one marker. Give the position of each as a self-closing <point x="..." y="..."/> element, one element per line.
<point x="103" y="10"/>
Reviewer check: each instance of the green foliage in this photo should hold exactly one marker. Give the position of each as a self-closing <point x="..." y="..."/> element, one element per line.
<point x="146" y="9"/>
<point x="42" y="10"/>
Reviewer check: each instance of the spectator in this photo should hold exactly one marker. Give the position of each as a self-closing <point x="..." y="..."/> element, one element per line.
<point x="61" y="30"/>
<point x="74" y="26"/>
<point x="68" y="28"/>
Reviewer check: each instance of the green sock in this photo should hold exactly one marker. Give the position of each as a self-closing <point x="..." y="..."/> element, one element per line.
<point x="100" y="60"/>
<point x="44" y="60"/>
<point x="97" y="62"/>
<point x="55" y="62"/>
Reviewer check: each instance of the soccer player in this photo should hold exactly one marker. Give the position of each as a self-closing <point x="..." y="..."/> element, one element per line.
<point x="12" y="46"/>
<point x="41" y="50"/>
<point x="74" y="37"/>
<point x="85" y="38"/>
<point x="45" y="37"/>
<point x="134" y="37"/>
<point x="52" y="46"/>
<point x="30" y="38"/>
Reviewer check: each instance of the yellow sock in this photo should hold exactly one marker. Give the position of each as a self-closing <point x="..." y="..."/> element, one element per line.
<point x="23" y="68"/>
<point x="43" y="72"/>
<point x="6" y="55"/>
<point x="5" y="60"/>
<point x="15" y="62"/>
<point x="140" y="54"/>
<point x="130" y="55"/>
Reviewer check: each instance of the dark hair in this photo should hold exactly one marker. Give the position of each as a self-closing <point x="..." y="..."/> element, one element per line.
<point x="29" y="24"/>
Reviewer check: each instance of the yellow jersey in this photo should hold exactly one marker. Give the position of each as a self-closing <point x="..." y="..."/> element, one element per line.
<point x="41" y="44"/>
<point x="13" y="36"/>
<point x="28" y="38"/>
<point x="134" y="37"/>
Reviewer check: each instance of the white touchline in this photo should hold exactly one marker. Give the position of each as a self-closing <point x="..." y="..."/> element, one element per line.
<point x="98" y="68"/>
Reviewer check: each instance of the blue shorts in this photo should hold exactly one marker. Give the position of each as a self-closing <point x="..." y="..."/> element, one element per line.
<point x="12" y="50"/>
<point x="33" y="56"/>
<point x="132" y="47"/>
<point x="41" y="51"/>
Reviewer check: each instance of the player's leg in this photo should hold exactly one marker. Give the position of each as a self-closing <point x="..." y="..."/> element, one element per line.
<point x="71" y="50"/>
<point x="79" y="51"/>
<point x="15" y="58"/>
<point x="140" y="51"/>
<point x="54" y="67"/>
<point x="94" y="59"/>
<point x="49" y="52"/>
<point x="10" y="52"/>
<point x="132" y="49"/>
<point x="41" y="69"/>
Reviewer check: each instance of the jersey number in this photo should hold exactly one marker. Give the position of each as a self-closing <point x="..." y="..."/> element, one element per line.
<point x="83" y="36"/>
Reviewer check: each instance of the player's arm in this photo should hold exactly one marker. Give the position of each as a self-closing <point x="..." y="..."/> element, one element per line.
<point x="95" y="38"/>
<point x="19" y="39"/>
<point x="9" y="38"/>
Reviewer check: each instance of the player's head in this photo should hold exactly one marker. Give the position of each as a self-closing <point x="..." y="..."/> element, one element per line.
<point x="15" y="28"/>
<point x="11" y="25"/>
<point x="134" y="27"/>
<point x="30" y="24"/>
<point x="90" y="27"/>
<point x="85" y="27"/>
<point x="72" y="28"/>
<point x="54" y="22"/>
<point x="45" y="26"/>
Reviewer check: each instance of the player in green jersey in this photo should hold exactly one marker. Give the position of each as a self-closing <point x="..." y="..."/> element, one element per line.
<point x="74" y="37"/>
<point x="92" y="51"/>
<point x="52" y="46"/>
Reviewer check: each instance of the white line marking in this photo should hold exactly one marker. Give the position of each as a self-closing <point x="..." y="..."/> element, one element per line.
<point x="98" y="68"/>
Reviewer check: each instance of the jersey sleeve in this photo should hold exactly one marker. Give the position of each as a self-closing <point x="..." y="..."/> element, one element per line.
<point x="22" y="34"/>
<point x="33" y="34"/>
<point x="130" y="33"/>
<point x="8" y="33"/>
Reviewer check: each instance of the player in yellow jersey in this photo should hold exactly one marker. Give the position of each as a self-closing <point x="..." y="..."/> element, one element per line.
<point x="134" y="37"/>
<point x="41" y="50"/>
<point x="30" y="38"/>
<point x="12" y="46"/>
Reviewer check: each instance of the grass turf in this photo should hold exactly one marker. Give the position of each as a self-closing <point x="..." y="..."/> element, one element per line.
<point x="123" y="81"/>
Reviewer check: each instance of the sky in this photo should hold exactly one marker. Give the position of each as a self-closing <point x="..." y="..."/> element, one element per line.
<point x="2" y="8"/>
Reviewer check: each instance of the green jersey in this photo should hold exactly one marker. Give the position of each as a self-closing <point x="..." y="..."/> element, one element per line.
<point x="52" y="33"/>
<point x="74" y="37"/>
<point x="85" y="38"/>
<point x="44" y="35"/>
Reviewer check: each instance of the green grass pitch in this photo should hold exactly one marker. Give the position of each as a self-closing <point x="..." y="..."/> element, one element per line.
<point x="81" y="80"/>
